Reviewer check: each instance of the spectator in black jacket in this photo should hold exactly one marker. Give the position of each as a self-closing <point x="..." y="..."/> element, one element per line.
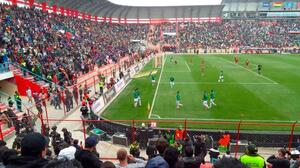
<point x="188" y="161"/>
<point x="33" y="151"/>
<point x="87" y="156"/>
<point x="279" y="161"/>
<point x="200" y="147"/>
<point x="229" y="163"/>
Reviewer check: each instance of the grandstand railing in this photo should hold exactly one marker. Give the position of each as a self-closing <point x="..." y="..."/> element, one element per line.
<point x="132" y="130"/>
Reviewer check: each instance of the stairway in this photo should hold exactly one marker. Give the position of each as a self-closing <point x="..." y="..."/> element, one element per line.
<point x="7" y="132"/>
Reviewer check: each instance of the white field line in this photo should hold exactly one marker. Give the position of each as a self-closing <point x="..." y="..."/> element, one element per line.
<point x="226" y="120"/>
<point x="251" y="71"/>
<point x="157" y="116"/>
<point x="155" y="94"/>
<point x="225" y="83"/>
<point x="176" y="71"/>
<point x="187" y="66"/>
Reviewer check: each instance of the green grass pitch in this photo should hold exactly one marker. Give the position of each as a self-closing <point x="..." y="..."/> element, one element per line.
<point x="273" y="96"/>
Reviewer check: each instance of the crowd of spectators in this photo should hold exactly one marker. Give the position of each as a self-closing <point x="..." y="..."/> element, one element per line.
<point x="34" y="151"/>
<point x="57" y="47"/>
<point x="240" y="33"/>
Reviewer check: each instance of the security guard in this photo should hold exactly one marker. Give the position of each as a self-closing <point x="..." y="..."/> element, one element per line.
<point x="18" y="101"/>
<point x="101" y="86"/>
<point x="252" y="159"/>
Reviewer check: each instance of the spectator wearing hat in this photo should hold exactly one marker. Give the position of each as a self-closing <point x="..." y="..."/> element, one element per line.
<point x="295" y="157"/>
<point x="280" y="160"/>
<point x="252" y="159"/>
<point x="33" y="151"/>
<point x="87" y="156"/>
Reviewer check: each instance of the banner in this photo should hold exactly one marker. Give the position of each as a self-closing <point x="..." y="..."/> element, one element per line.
<point x="110" y="94"/>
<point x="289" y="5"/>
<point x="119" y="85"/>
<point x="126" y="77"/>
<point x="136" y="69"/>
<point x="131" y="72"/>
<point x="266" y="4"/>
<point x="277" y="4"/>
<point x="98" y="105"/>
<point x="283" y="14"/>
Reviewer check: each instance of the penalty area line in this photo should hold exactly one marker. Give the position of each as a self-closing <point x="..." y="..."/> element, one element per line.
<point x="187" y="66"/>
<point x="226" y="120"/>
<point x="221" y="83"/>
<point x="251" y="71"/>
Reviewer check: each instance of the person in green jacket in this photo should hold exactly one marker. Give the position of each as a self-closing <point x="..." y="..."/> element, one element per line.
<point x="18" y="101"/>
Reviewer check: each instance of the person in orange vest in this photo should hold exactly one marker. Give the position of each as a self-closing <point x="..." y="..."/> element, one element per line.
<point x="178" y="134"/>
<point x="224" y="140"/>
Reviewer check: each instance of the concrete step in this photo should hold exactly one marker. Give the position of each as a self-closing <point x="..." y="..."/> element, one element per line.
<point x="8" y="133"/>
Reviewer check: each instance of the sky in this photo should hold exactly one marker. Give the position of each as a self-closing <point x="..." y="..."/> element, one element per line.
<point x="165" y="2"/>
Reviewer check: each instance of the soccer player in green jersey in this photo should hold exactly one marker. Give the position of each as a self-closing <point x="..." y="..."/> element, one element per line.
<point x="205" y="100"/>
<point x="172" y="81"/>
<point x="212" y="98"/>
<point x="259" y="66"/>
<point x="178" y="98"/>
<point x="221" y="77"/>
<point x="153" y="79"/>
<point x="137" y="98"/>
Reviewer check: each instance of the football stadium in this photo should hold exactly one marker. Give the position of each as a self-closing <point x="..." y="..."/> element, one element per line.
<point x="150" y="84"/>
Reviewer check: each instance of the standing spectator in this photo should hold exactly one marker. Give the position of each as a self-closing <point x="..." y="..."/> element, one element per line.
<point x="171" y="156"/>
<point x="101" y="86"/>
<point x="229" y="163"/>
<point x="18" y="101"/>
<point x="200" y="147"/>
<point x="29" y="95"/>
<point x="67" y="136"/>
<point x="158" y="161"/>
<point x="188" y="161"/>
<point x="214" y="154"/>
<point x="75" y="94"/>
<point x="279" y="161"/>
<point x="80" y="92"/>
<point x="75" y="144"/>
<point x="124" y="160"/>
<point x="252" y="159"/>
<point x="87" y="156"/>
<point x="33" y="151"/>
<point x="84" y="110"/>
<point x="10" y="102"/>
<point x="295" y="157"/>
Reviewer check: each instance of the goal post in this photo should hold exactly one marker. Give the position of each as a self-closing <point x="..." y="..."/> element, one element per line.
<point x="158" y="60"/>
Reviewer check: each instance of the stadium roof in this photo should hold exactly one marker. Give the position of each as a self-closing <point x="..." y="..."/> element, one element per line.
<point x="105" y="8"/>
